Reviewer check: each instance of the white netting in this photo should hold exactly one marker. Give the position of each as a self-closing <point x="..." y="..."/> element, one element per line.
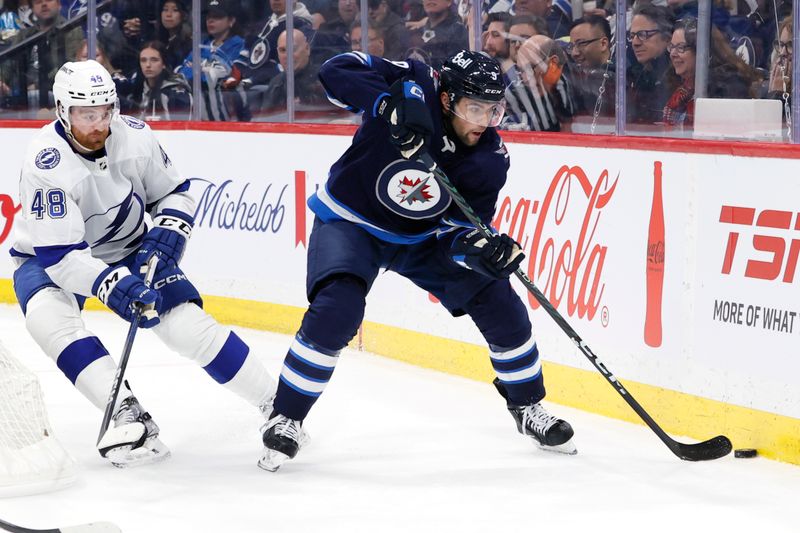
<point x="31" y="459"/>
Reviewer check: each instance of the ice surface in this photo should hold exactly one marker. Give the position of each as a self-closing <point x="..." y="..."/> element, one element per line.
<point x="394" y="448"/>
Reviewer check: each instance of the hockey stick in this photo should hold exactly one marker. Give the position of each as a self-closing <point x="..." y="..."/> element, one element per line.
<point x="702" y="451"/>
<point x="150" y="271"/>
<point x="92" y="527"/>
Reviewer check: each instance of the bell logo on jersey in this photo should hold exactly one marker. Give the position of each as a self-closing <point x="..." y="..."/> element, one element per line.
<point x="408" y="189"/>
<point x="48" y="158"/>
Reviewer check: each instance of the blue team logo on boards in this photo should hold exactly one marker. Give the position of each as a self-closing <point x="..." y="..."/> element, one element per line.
<point x="408" y="189"/>
<point x="48" y="158"/>
<point x="134" y="123"/>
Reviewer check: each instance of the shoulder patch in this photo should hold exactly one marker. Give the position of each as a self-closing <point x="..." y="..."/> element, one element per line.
<point x="48" y="158"/>
<point x="134" y="123"/>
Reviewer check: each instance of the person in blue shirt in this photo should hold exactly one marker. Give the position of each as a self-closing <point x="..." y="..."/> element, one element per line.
<point x="217" y="53"/>
<point x="381" y="208"/>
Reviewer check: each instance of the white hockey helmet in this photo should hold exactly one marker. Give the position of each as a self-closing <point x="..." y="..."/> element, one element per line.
<point x="82" y="84"/>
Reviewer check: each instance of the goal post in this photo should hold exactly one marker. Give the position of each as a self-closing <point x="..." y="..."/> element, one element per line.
<point x="31" y="459"/>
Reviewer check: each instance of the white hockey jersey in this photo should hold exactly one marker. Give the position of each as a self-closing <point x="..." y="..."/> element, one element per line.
<point x="79" y="213"/>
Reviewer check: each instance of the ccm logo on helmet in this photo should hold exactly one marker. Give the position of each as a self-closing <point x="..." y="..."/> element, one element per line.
<point x="99" y="93"/>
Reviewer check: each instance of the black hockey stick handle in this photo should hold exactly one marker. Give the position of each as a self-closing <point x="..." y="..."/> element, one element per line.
<point x="150" y="271"/>
<point x="715" y="448"/>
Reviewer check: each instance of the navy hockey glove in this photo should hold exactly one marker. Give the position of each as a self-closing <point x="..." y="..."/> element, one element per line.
<point x="167" y="239"/>
<point x="121" y="291"/>
<point x="409" y="119"/>
<point x="497" y="257"/>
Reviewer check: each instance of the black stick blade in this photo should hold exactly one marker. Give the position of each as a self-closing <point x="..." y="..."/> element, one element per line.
<point x="708" y="450"/>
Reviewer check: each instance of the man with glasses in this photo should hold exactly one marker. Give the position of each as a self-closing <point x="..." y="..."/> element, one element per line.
<point x="382" y="209"/>
<point x="82" y="232"/>
<point x="590" y="49"/>
<point x="648" y="90"/>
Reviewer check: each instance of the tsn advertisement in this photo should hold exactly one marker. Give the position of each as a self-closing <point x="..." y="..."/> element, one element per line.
<point x="673" y="267"/>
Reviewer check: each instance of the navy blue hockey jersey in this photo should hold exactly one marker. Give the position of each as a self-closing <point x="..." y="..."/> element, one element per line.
<point x="373" y="186"/>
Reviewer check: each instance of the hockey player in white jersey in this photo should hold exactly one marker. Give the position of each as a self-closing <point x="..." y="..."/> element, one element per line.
<point x="88" y="181"/>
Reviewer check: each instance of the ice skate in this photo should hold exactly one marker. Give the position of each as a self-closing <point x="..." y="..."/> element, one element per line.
<point x="282" y="440"/>
<point x="548" y="432"/>
<point x="267" y="409"/>
<point x="133" y="440"/>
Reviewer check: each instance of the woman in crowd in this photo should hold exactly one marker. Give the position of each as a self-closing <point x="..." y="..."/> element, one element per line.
<point x="728" y="76"/>
<point x="157" y="93"/>
<point x="780" y="72"/>
<point x="174" y="29"/>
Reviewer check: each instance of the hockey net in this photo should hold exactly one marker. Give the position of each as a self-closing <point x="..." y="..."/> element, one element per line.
<point x="31" y="459"/>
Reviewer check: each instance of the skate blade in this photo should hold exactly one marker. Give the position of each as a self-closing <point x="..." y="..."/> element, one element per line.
<point x="153" y="451"/>
<point x="272" y="460"/>
<point x="568" y="448"/>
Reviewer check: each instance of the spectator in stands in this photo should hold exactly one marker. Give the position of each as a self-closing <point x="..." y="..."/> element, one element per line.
<point x="332" y="36"/>
<point x="590" y="49"/>
<point x="218" y="51"/>
<point x="45" y="57"/>
<point x="308" y="90"/>
<point x="257" y="63"/>
<point x="558" y="20"/>
<point x="389" y="23"/>
<point x="442" y="34"/>
<point x="174" y="29"/>
<point x="521" y="28"/>
<point x="10" y="22"/>
<point x="780" y="72"/>
<point x="728" y="75"/>
<point x="495" y="41"/>
<point x="375" y="39"/>
<point x="648" y="90"/>
<point x="159" y="94"/>
<point x="339" y="21"/>
<point x="137" y="23"/>
<point x="540" y="98"/>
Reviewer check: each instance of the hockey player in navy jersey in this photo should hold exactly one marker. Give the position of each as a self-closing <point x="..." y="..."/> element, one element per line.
<point x="87" y="182"/>
<point x="381" y="208"/>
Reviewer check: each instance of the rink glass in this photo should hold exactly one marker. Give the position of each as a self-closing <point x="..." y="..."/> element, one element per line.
<point x="770" y="73"/>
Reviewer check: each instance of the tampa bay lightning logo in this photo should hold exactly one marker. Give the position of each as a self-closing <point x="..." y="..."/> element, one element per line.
<point x="134" y="123"/>
<point x="48" y="158"/>
<point x="408" y="189"/>
<point x="118" y="223"/>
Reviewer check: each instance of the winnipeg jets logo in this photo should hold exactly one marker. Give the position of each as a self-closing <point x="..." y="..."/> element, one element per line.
<point x="259" y="53"/>
<point x="407" y="189"/>
<point x="414" y="191"/>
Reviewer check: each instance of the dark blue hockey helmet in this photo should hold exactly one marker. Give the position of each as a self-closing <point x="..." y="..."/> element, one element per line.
<point x="474" y="75"/>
